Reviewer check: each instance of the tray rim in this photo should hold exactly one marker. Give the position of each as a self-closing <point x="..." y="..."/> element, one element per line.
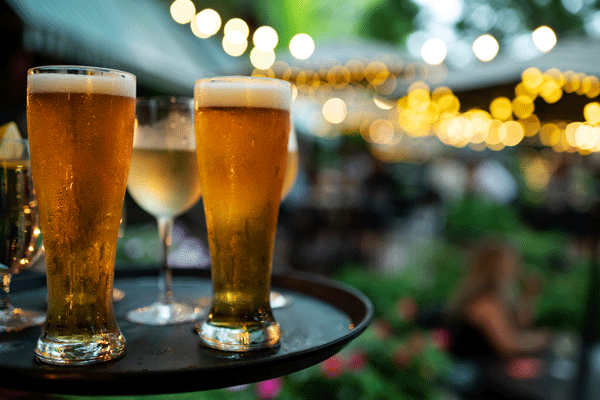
<point x="73" y="380"/>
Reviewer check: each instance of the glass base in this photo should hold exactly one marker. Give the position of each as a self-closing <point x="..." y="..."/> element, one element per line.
<point x="164" y="314"/>
<point x="78" y="351"/>
<point x="15" y="319"/>
<point x="239" y="339"/>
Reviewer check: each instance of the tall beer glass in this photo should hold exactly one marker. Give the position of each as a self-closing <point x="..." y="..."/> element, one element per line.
<point x="80" y="123"/>
<point x="242" y="126"/>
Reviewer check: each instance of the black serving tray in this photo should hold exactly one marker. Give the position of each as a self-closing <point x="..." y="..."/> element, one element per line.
<point x="322" y="318"/>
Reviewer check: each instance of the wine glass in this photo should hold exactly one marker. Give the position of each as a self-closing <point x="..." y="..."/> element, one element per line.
<point x="277" y="299"/>
<point x="20" y="240"/>
<point x="163" y="180"/>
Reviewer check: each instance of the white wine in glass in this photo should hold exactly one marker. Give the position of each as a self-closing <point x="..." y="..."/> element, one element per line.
<point x="20" y="240"/>
<point x="163" y="180"/>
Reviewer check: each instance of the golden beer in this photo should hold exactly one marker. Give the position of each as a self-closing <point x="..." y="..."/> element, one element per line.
<point x="80" y="131"/>
<point x="291" y="168"/>
<point x="242" y="127"/>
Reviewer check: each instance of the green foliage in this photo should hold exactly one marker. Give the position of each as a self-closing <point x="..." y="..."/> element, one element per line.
<point x="475" y="217"/>
<point x="389" y="21"/>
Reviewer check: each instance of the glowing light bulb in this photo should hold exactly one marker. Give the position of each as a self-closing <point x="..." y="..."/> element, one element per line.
<point x="485" y="48"/>
<point x="232" y="48"/>
<point x="236" y="31"/>
<point x="182" y="11"/>
<point x="544" y="38"/>
<point x="434" y="51"/>
<point x="262" y="59"/>
<point x="335" y="110"/>
<point x="208" y="22"/>
<point x="302" y="46"/>
<point x="265" y="38"/>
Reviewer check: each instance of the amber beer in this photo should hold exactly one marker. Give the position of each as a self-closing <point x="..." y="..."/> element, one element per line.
<point x="80" y="126"/>
<point x="242" y="127"/>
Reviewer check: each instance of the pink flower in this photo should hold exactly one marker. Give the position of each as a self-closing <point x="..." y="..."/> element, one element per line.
<point x="358" y="360"/>
<point x="381" y="329"/>
<point x="333" y="367"/>
<point x="401" y="357"/>
<point x="407" y="308"/>
<point x="440" y="338"/>
<point x="270" y="389"/>
<point x="416" y="342"/>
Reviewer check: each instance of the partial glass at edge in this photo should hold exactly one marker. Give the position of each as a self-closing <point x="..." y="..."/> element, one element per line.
<point x="242" y="126"/>
<point x="20" y="240"/>
<point x="80" y="123"/>
<point x="163" y="180"/>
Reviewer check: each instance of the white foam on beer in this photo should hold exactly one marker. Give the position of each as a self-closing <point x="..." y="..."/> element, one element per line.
<point x="267" y="93"/>
<point x="115" y="84"/>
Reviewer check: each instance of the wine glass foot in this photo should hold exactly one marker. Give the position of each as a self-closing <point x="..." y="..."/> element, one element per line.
<point x="16" y="319"/>
<point x="165" y="314"/>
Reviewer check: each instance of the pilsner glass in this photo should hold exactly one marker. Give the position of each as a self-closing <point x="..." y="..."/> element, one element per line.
<point x="242" y="127"/>
<point x="163" y="180"/>
<point x="80" y="122"/>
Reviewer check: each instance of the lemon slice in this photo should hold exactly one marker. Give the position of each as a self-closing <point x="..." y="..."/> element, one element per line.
<point x="8" y="148"/>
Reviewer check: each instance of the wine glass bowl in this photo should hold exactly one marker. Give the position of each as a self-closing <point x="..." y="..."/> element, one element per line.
<point x="163" y="181"/>
<point x="20" y="240"/>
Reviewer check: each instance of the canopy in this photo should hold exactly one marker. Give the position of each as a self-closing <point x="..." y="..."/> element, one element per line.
<point x="136" y="36"/>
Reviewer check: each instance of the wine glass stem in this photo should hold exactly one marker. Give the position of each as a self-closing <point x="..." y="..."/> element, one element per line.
<point x="4" y="299"/>
<point x="165" y="280"/>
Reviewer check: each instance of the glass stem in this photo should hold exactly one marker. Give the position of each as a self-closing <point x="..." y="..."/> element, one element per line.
<point x="4" y="299"/>
<point x="165" y="279"/>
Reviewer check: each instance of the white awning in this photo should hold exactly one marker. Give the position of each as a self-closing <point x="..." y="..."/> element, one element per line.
<point x="136" y="36"/>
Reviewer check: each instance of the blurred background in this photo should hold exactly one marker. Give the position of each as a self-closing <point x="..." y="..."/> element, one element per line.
<point x="448" y="168"/>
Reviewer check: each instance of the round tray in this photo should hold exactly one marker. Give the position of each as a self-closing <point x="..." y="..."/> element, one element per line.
<point x="322" y="317"/>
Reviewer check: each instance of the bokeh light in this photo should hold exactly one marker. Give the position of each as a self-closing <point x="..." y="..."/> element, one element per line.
<point x="434" y="51"/>
<point x="544" y="38"/>
<point x="265" y="38"/>
<point x="262" y="59"/>
<point x="381" y="131"/>
<point x="208" y="22"/>
<point x="236" y="31"/>
<point x="302" y="46"/>
<point x="182" y="11"/>
<point x="234" y="49"/>
<point x="511" y="132"/>
<point x="501" y="108"/>
<point x="485" y="48"/>
<point x="591" y="112"/>
<point x="335" y="110"/>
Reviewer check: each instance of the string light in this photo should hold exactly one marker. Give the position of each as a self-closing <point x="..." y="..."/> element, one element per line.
<point x="236" y="31"/>
<point x="182" y="11"/>
<point x="208" y="22"/>
<point x="434" y="51"/>
<point x="265" y="38"/>
<point x="302" y="46"/>
<point x="262" y="59"/>
<point x="485" y="48"/>
<point x="544" y="38"/>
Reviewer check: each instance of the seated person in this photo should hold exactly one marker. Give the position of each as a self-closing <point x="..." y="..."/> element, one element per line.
<point x="491" y="317"/>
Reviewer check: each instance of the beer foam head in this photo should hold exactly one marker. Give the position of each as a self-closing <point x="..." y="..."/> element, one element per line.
<point x="241" y="91"/>
<point x="101" y="81"/>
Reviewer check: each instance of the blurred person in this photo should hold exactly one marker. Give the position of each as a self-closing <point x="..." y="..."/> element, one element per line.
<point x="492" y="314"/>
